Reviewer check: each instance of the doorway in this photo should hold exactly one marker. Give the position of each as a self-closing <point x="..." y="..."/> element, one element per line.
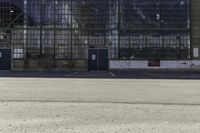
<point x="5" y="59"/>
<point x="97" y="59"/>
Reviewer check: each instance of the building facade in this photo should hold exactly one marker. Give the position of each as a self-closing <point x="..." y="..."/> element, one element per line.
<point x="99" y="34"/>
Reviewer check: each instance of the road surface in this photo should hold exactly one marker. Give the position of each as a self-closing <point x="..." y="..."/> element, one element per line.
<point x="73" y="105"/>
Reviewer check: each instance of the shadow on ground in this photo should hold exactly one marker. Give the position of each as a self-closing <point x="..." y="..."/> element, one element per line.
<point x="102" y="74"/>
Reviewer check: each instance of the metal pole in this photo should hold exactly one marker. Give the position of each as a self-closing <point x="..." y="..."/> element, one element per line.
<point x="71" y="34"/>
<point x="54" y="50"/>
<point x="190" y="30"/>
<point x="41" y="47"/>
<point x="119" y="26"/>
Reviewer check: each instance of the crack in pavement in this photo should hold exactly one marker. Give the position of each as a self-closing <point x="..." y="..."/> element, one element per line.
<point x="101" y="102"/>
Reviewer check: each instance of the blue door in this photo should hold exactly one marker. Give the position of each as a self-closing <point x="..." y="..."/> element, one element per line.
<point x="98" y="59"/>
<point x="5" y="59"/>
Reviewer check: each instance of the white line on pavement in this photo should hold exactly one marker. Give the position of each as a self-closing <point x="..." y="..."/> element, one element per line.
<point x="71" y="74"/>
<point x="113" y="75"/>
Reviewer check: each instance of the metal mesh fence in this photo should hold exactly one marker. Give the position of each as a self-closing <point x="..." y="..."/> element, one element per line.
<point x="65" y="29"/>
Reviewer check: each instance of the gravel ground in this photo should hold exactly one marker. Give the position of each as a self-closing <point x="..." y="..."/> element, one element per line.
<point x="42" y="105"/>
<point x="97" y="118"/>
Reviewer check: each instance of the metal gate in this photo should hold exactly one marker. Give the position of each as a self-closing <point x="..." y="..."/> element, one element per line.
<point x="5" y="59"/>
<point x="5" y="50"/>
<point x="98" y="59"/>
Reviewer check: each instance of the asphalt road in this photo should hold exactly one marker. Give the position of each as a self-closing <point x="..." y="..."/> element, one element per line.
<point x="140" y="74"/>
<point x="100" y="105"/>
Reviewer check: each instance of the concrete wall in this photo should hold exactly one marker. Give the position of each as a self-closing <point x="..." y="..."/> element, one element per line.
<point x="50" y="65"/>
<point x="195" y="23"/>
<point x="126" y="64"/>
<point x="131" y="64"/>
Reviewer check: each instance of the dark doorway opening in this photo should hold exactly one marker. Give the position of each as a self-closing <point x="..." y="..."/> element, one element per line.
<point x="5" y="59"/>
<point x="98" y="59"/>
